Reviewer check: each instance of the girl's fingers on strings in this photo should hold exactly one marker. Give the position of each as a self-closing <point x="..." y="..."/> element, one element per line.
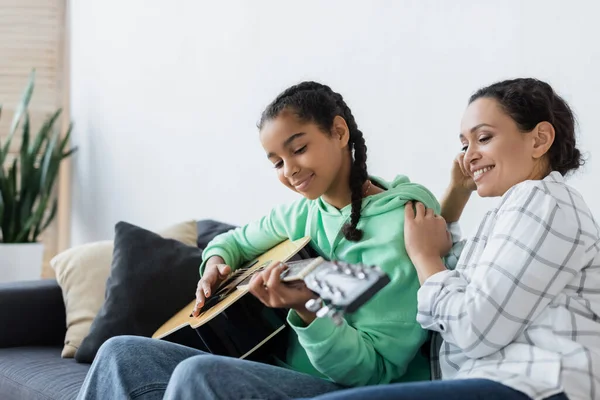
<point x="206" y="287"/>
<point x="224" y="270"/>
<point x="258" y="288"/>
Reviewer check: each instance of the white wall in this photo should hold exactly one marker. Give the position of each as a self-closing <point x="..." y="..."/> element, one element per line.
<point x="166" y="94"/>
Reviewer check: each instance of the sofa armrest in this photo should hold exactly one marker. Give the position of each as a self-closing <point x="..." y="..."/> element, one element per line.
<point x="31" y="313"/>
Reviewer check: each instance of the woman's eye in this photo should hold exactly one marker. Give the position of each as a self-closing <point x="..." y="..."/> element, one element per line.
<point x="464" y="148"/>
<point x="278" y="165"/>
<point x="300" y="150"/>
<point x="484" y="139"/>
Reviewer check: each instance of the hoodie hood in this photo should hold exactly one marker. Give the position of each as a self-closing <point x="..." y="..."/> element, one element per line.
<point x="396" y="194"/>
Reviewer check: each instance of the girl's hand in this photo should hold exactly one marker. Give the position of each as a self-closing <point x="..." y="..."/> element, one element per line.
<point x="425" y="234"/>
<point x="215" y="272"/>
<point x="460" y="178"/>
<point x="272" y="292"/>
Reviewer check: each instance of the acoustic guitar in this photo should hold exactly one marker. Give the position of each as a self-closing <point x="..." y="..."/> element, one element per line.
<point x="234" y="323"/>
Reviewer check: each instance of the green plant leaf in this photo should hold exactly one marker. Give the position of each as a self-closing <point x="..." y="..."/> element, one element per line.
<point x="26" y="188"/>
<point x="69" y="153"/>
<point x="25" y="140"/>
<point x="25" y="98"/>
<point x="6" y="199"/>
<point x="27" y="199"/>
<point x="1" y="150"/>
<point x="41" y="227"/>
<point x="12" y="191"/>
<point x="25" y="155"/>
<point x="33" y="219"/>
<point x="43" y="134"/>
<point x="46" y="160"/>
<point x="66" y="138"/>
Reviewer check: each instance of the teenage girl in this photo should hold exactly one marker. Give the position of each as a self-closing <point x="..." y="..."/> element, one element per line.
<point x="317" y="150"/>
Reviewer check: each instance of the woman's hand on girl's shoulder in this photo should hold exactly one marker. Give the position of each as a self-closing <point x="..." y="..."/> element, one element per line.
<point x="425" y="233"/>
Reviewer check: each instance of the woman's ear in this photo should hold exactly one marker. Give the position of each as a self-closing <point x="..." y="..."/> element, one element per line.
<point x="340" y="131"/>
<point x="543" y="137"/>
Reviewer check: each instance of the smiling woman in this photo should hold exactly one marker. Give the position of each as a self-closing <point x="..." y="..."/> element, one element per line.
<point x="519" y="314"/>
<point x="509" y="137"/>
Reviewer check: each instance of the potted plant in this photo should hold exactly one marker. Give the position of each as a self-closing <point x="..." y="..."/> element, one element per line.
<point x="27" y="179"/>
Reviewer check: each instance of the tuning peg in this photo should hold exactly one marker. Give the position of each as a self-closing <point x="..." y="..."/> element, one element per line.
<point x="314" y="305"/>
<point x="338" y="292"/>
<point x="323" y="311"/>
<point x="337" y="318"/>
<point x="328" y="288"/>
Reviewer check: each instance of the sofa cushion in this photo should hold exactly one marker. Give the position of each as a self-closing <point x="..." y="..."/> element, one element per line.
<point x="21" y="300"/>
<point x="82" y="272"/>
<point x="34" y="373"/>
<point x="151" y="279"/>
<point x="208" y="229"/>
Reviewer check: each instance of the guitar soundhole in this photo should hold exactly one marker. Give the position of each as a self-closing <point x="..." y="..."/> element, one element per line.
<point x="210" y="303"/>
<point x="231" y="283"/>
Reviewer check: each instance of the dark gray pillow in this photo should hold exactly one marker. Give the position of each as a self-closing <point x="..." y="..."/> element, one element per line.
<point x="151" y="279"/>
<point x="208" y="229"/>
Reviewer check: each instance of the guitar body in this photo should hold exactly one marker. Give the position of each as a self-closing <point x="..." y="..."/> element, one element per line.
<point x="243" y="330"/>
<point x="238" y="324"/>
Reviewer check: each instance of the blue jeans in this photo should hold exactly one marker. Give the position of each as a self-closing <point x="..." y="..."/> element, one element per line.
<point x="460" y="389"/>
<point x="133" y="367"/>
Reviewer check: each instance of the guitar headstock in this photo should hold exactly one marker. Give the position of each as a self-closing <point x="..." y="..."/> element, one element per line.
<point x="342" y="287"/>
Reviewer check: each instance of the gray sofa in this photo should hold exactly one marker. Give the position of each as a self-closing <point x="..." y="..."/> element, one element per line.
<point x="32" y="332"/>
<point x="32" y="320"/>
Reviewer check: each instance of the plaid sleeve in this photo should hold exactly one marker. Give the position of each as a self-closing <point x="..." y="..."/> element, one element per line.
<point x="458" y="243"/>
<point x="532" y="253"/>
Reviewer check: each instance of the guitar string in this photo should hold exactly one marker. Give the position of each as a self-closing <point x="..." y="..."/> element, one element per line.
<point x="225" y="286"/>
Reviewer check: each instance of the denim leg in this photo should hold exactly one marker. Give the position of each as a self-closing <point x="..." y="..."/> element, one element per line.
<point x="460" y="389"/>
<point x="215" y="377"/>
<point x="133" y="367"/>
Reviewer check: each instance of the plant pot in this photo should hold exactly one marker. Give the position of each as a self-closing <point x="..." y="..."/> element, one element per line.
<point x="21" y="261"/>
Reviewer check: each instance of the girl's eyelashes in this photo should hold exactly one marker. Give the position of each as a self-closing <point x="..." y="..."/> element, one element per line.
<point x="279" y="164"/>
<point x="300" y="150"/>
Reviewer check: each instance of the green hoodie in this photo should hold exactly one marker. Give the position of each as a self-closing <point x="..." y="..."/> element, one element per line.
<point x="380" y="342"/>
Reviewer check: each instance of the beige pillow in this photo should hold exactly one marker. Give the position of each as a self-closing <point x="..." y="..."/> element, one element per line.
<point x="82" y="272"/>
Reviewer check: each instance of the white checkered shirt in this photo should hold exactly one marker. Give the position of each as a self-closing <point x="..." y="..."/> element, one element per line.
<point x="522" y="306"/>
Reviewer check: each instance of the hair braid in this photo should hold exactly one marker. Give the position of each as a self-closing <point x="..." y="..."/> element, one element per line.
<point x="358" y="171"/>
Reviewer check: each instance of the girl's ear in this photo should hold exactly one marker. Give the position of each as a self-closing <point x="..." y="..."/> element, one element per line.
<point x="340" y="131"/>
